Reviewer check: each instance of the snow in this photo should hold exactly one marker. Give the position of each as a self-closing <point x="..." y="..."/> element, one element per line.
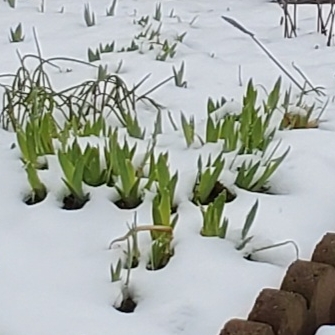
<point x="55" y="264"/>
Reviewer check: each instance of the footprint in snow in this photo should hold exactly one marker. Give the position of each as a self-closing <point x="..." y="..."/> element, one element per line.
<point x="181" y="318"/>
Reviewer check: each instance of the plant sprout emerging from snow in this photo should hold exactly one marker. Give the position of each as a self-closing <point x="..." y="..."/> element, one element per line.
<point x="254" y="132"/>
<point x="93" y="174"/>
<point x="180" y="37"/>
<point x="89" y="16"/>
<point x="143" y="21"/>
<point x="249" y="130"/>
<point x="129" y="184"/>
<point x="93" y="56"/>
<point x="42" y="6"/>
<point x="188" y="129"/>
<point x="72" y="162"/>
<point x="213" y="105"/>
<point x="179" y="75"/>
<point x="160" y="173"/>
<point x="129" y="188"/>
<point x="106" y="48"/>
<point x="38" y="189"/>
<point x="158" y="12"/>
<point x="133" y="255"/>
<point x="36" y="139"/>
<point x="245" y="239"/>
<point x="254" y="177"/>
<point x="110" y="11"/>
<point x="207" y="179"/>
<point x="246" y="227"/>
<point x="12" y="3"/>
<point x="161" y="209"/>
<point x="116" y="272"/>
<point x="160" y="247"/>
<point x="161" y="251"/>
<point x="226" y="129"/>
<point x="16" y="35"/>
<point x="112" y="146"/>
<point x="168" y="50"/>
<point x="298" y="114"/>
<point x="213" y="225"/>
<point x="132" y="47"/>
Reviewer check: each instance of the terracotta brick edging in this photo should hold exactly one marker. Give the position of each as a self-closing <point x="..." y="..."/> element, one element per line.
<point x="304" y="302"/>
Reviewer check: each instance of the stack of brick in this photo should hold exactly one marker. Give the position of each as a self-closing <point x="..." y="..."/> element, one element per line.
<point x="304" y="302"/>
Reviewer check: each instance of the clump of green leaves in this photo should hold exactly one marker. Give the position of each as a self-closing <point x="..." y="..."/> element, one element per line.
<point x="226" y="129"/>
<point x="93" y="174"/>
<point x="254" y="134"/>
<point x="161" y="251"/>
<point x="36" y="139"/>
<point x="129" y="188"/>
<point x="159" y="172"/>
<point x="93" y="127"/>
<point x="111" y="154"/>
<point x="93" y="56"/>
<point x="254" y="176"/>
<point x="108" y="47"/>
<point x="16" y="35"/>
<point x="213" y="105"/>
<point x="161" y="209"/>
<point x="130" y="121"/>
<point x="213" y="225"/>
<point x="207" y="180"/>
<point x="72" y="162"/>
<point x="132" y="47"/>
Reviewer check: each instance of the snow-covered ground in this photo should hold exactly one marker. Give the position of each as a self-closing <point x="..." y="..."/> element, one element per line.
<point x="54" y="264"/>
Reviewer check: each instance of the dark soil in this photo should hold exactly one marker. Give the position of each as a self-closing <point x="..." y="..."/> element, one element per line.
<point x="43" y="166"/>
<point x="33" y="199"/>
<point x="161" y="266"/>
<point x="249" y="258"/>
<point x="218" y="189"/>
<point x="121" y="203"/>
<point x="70" y="202"/>
<point x="174" y="209"/>
<point x="127" y="306"/>
<point x="164" y="262"/>
<point x="134" y="263"/>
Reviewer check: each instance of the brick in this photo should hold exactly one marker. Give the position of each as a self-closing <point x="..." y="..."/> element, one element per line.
<point x="315" y="282"/>
<point x="244" y="327"/>
<point x="285" y="312"/>
<point x="324" y="252"/>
